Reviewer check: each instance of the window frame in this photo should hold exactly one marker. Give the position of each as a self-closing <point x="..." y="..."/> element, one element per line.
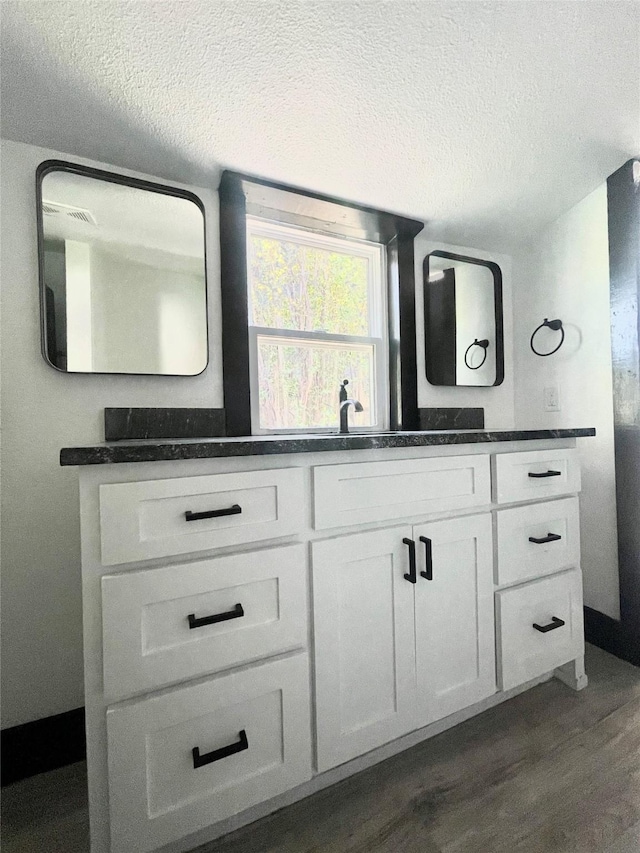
<point x="241" y="195"/>
<point x="375" y="254"/>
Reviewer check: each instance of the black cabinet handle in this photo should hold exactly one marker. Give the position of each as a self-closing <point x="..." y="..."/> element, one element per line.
<point x="428" y="559"/>
<point x="217" y="754"/>
<point x="236" y="613"/>
<point x="236" y="509"/>
<point x="545" y="474"/>
<point x="412" y="576"/>
<point x="550" y="537"/>
<point x="555" y="623"/>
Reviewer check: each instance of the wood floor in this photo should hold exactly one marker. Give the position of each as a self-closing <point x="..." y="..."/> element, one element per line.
<point x="550" y="771"/>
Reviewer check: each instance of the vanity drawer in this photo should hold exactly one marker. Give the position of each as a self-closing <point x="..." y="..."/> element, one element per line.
<point x="380" y="491"/>
<point x="525" y="652"/>
<point x="160" y="518"/>
<point x="252" y="733"/>
<point x="536" y="474"/>
<point x="537" y="540"/>
<point x="258" y="601"/>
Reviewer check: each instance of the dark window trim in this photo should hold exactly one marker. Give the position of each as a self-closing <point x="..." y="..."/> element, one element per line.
<point x="114" y="178"/>
<point x="242" y="195"/>
<point x="497" y="284"/>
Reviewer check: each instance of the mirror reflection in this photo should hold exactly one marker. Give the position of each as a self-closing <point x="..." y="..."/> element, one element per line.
<point x="463" y="320"/>
<point x="122" y="275"/>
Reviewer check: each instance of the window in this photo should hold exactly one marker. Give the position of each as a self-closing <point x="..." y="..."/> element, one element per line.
<point x="317" y="315"/>
<point x="287" y="342"/>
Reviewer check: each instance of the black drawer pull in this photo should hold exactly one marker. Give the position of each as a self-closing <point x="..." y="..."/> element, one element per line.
<point x="428" y="559"/>
<point x="550" y="537"/>
<point x="223" y="752"/>
<point x="412" y="576"/>
<point x="236" y="613"/>
<point x="545" y="474"/>
<point x="555" y="623"/>
<point x="236" y="509"/>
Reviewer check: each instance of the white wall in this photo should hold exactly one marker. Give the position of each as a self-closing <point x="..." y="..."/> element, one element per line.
<point x="565" y="274"/>
<point x="42" y="411"/>
<point x="497" y="401"/>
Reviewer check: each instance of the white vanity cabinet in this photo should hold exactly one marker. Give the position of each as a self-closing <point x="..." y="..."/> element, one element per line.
<point x="403" y="629"/>
<point x="258" y="628"/>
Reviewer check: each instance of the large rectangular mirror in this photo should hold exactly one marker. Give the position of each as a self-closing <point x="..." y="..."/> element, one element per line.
<point x="463" y="320"/>
<point x="122" y="274"/>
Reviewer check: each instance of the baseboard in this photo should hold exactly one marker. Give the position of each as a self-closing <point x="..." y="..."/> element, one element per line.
<point x="609" y="634"/>
<point x="42" y="745"/>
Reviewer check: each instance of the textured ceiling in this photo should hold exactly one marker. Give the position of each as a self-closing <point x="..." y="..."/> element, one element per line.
<point x="486" y="119"/>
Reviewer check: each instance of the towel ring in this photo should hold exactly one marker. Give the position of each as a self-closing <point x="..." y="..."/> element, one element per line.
<point x="484" y="344"/>
<point x="556" y="326"/>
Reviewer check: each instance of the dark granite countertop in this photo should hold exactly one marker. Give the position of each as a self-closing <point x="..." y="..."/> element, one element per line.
<point x="208" y="448"/>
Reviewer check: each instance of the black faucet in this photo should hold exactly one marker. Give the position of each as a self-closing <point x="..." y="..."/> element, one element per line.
<point x="345" y="402"/>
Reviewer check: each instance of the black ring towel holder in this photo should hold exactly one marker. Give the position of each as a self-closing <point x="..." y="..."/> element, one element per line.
<point x="484" y="344"/>
<point x="554" y="325"/>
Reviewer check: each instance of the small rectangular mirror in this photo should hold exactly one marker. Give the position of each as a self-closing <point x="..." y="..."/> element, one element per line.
<point x="122" y="274"/>
<point x="463" y="320"/>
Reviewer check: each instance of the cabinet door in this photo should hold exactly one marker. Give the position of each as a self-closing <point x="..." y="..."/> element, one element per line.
<point x="364" y="643"/>
<point x="455" y="647"/>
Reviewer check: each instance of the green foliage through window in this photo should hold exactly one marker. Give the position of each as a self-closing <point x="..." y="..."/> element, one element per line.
<point x="312" y="308"/>
<point x="299" y="383"/>
<point x="294" y="286"/>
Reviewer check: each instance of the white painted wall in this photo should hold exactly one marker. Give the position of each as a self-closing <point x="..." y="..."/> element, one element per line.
<point x="497" y="401"/>
<point x="565" y="274"/>
<point x="42" y="411"/>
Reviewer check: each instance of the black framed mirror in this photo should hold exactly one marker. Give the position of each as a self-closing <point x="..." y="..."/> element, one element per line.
<point x="122" y="267"/>
<point x="463" y="323"/>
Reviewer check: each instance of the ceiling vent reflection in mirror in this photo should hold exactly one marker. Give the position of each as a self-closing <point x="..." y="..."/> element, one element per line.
<point x="55" y="208"/>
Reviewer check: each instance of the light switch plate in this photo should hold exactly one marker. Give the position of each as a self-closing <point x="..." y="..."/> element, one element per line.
<point x="551" y="397"/>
